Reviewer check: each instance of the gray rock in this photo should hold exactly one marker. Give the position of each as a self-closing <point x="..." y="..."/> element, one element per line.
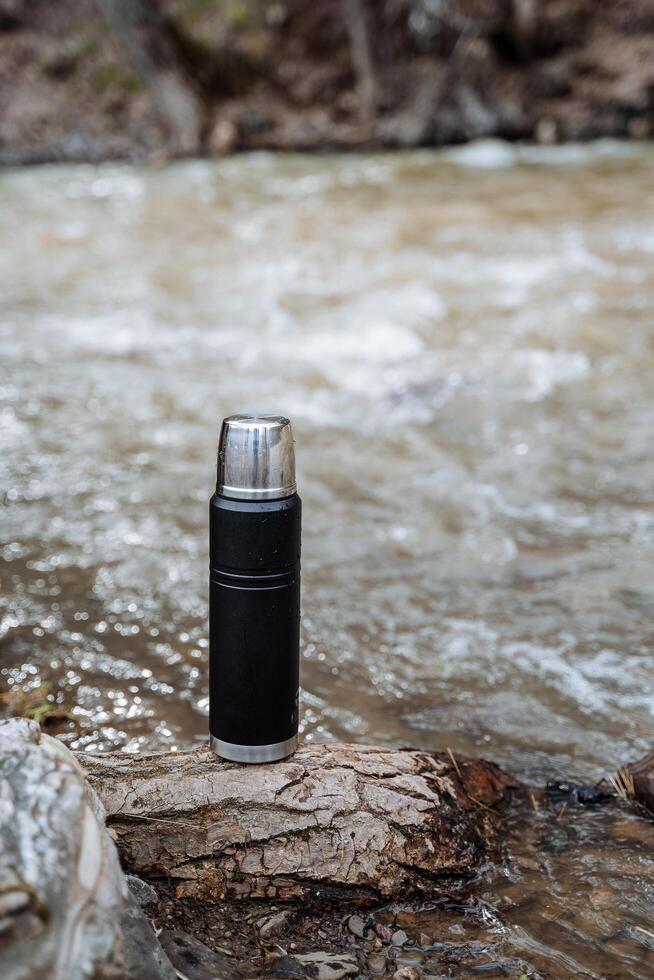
<point x="377" y="963"/>
<point x="62" y="891"/>
<point x="272" y="925"/>
<point x="286" y="968"/>
<point x="144" y="957"/>
<point x="143" y="893"/>
<point x="384" y="932"/>
<point x="407" y="973"/>
<point x="409" y="956"/>
<point x="195" y="960"/>
<point x="399" y="938"/>
<point x="357" y="926"/>
<point x="328" y="966"/>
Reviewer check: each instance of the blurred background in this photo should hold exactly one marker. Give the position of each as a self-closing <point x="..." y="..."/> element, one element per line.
<point x="462" y="337"/>
<point x="85" y="80"/>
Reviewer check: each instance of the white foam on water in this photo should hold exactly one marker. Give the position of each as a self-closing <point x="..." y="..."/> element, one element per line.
<point x="484" y="154"/>
<point x="539" y="372"/>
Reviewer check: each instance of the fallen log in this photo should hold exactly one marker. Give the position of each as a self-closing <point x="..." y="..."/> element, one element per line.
<point x="332" y="822"/>
<point x="368" y="823"/>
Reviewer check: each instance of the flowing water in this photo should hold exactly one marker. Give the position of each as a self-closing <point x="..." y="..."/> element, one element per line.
<point x="464" y="342"/>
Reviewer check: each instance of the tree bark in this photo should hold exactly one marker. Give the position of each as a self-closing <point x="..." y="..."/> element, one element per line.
<point x="354" y="15"/>
<point x="372" y="823"/>
<point x="635" y="783"/>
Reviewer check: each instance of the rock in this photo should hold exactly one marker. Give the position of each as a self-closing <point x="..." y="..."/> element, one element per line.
<point x="223" y="137"/>
<point x="195" y="960"/>
<point x="143" y="893"/>
<point x="357" y="926"/>
<point x="327" y="966"/>
<point x="272" y="925"/>
<point x="62" y="892"/>
<point x="385" y="933"/>
<point x="410" y="957"/>
<point x="144" y="957"/>
<point x="285" y="968"/>
<point x="377" y="963"/>
<point x="546" y="132"/>
<point x="424" y="939"/>
<point x="562" y="792"/>
<point x="399" y="938"/>
<point x="407" y="973"/>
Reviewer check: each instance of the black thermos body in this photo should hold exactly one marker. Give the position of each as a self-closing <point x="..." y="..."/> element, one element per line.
<point x="254" y="592"/>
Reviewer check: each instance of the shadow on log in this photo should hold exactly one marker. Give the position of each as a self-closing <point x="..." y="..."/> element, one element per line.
<point x="373" y="823"/>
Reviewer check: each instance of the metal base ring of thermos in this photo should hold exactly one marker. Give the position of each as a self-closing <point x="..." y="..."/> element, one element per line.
<point x="254" y="753"/>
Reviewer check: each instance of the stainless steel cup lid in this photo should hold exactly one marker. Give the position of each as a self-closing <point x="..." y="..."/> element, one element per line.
<point x="256" y="458"/>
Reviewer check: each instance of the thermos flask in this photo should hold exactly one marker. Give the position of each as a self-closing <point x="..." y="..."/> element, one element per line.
<point x="254" y="592"/>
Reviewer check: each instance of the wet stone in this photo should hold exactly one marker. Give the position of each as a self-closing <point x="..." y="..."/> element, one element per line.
<point x="576" y="794"/>
<point x="377" y="963"/>
<point x="399" y="938"/>
<point x="142" y="893"/>
<point x="328" y="966"/>
<point x="357" y="926"/>
<point x="272" y="925"/>
<point x="410" y="957"/>
<point x="195" y="960"/>
<point x="407" y="973"/>
<point x="144" y="957"/>
<point x="285" y="968"/>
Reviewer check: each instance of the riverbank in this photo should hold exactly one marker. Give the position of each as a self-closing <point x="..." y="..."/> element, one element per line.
<point x="196" y="78"/>
<point x="343" y="860"/>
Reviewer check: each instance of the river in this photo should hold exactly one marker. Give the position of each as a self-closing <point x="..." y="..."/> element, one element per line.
<point x="464" y="342"/>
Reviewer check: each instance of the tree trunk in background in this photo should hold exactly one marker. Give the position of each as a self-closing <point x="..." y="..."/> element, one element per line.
<point x="372" y="823"/>
<point x="355" y="22"/>
<point x="152" y="47"/>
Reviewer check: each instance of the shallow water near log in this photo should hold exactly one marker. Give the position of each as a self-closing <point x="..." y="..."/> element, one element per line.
<point x="464" y="343"/>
